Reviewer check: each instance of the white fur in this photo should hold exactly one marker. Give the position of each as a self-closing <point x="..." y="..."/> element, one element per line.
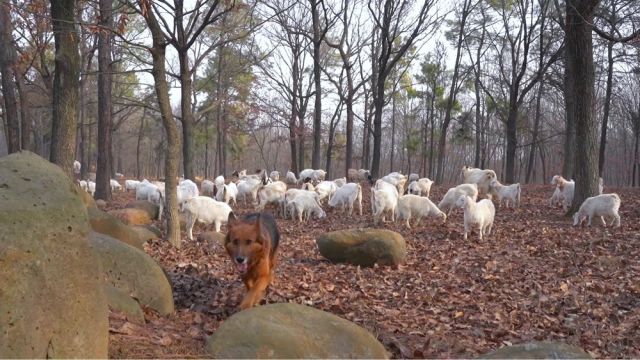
<point x="566" y="190"/>
<point x="115" y="185"/>
<point x="326" y="189"/>
<point x="449" y="200"/>
<point x="207" y="187"/>
<point x="291" y="194"/>
<point x="77" y="167"/>
<point x="151" y="192"/>
<point x="340" y="181"/>
<point x="480" y="177"/>
<point x="384" y="198"/>
<point x="421" y="187"/>
<point x="606" y="205"/>
<point x="274" y="176"/>
<point x="271" y="193"/>
<point x="249" y="187"/>
<point x="477" y="214"/>
<point x="205" y="210"/>
<point x="315" y="175"/>
<point x="346" y="196"/>
<point x="219" y="181"/>
<point x="396" y="179"/>
<point x="227" y="192"/>
<point x="291" y="178"/>
<point x="305" y="206"/>
<point x="509" y="193"/>
<point x="413" y="177"/>
<point x="83" y="185"/>
<point x="419" y="207"/>
<point x="131" y="184"/>
<point x="91" y="187"/>
<point x="186" y="190"/>
<point x="358" y="175"/>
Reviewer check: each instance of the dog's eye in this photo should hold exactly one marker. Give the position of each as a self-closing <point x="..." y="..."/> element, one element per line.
<point x="235" y="241"/>
<point x="248" y="241"/>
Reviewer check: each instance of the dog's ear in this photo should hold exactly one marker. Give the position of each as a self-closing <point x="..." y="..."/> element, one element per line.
<point x="232" y="220"/>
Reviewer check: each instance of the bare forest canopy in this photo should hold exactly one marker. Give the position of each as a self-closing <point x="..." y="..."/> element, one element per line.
<point x="412" y="86"/>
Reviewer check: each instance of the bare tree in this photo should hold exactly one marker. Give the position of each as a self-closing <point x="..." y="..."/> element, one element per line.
<point x="105" y="74"/>
<point x="397" y="32"/>
<point x="8" y="60"/>
<point x="65" y="84"/>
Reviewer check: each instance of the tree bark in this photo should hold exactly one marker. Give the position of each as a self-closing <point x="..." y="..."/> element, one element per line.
<point x="317" y="110"/>
<point x="607" y="106"/>
<point x="65" y="84"/>
<point x="173" y="137"/>
<point x="580" y="61"/>
<point x="9" y="77"/>
<point x="104" y="166"/>
<point x="534" y="137"/>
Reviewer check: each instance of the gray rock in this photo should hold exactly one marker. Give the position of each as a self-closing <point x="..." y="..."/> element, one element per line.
<point x="364" y="247"/>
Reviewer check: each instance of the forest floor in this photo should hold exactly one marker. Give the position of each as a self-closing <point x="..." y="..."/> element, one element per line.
<point x="535" y="277"/>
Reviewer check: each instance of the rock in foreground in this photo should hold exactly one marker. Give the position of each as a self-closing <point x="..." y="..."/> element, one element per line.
<point x="52" y="302"/>
<point x="289" y="331"/>
<point x="539" y="350"/>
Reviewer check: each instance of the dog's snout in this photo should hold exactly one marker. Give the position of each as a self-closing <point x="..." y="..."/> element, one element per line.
<point x="240" y="259"/>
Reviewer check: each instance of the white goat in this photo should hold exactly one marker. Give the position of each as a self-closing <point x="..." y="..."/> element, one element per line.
<point x="448" y="202"/>
<point x="227" y="192"/>
<point x="396" y="179"/>
<point x="205" y="210"/>
<point x="249" y="187"/>
<point x="115" y="185"/>
<point x="354" y="175"/>
<point x="291" y="178"/>
<point x="421" y="187"/>
<point x="271" y="193"/>
<point x="605" y="205"/>
<point x="480" y="177"/>
<point x="131" y="184"/>
<point x="413" y="177"/>
<point x="83" y="185"/>
<point x="186" y="190"/>
<point x="346" y="195"/>
<point x="314" y="175"/>
<point x="566" y="190"/>
<point x="340" y="181"/>
<point x="509" y="193"/>
<point x="77" y="167"/>
<point x="477" y="214"/>
<point x="384" y="198"/>
<point x="419" y="207"/>
<point x="91" y="187"/>
<point x="305" y="206"/>
<point x="208" y="187"/>
<point x="151" y="192"/>
<point x="291" y="194"/>
<point x="325" y="189"/>
<point x="274" y="176"/>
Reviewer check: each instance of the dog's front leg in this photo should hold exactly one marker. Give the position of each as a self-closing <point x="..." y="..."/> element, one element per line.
<point x="255" y="293"/>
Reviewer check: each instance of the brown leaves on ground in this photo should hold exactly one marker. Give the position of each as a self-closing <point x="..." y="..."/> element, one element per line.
<point x="534" y="278"/>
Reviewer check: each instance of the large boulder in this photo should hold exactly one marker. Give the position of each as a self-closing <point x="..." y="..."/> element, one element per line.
<point x="364" y="247"/>
<point x="289" y="331"/>
<point x="539" y="350"/>
<point x="86" y="198"/>
<point x="108" y="224"/>
<point x="132" y="216"/>
<point x="52" y="302"/>
<point x="122" y="302"/>
<point x="145" y="233"/>
<point x="151" y="208"/>
<point x="133" y="272"/>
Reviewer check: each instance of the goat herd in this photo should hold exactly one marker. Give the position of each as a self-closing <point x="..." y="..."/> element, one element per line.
<point x="302" y="197"/>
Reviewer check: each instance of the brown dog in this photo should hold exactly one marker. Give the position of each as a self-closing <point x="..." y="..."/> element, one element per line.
<point x="252" y="243"/>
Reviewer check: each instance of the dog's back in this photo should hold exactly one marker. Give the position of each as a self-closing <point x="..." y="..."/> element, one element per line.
<point x="269" y="225"/>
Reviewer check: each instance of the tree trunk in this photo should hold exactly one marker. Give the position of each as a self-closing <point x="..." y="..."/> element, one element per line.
<point x="139" y="144"/>
<point x="378" y="103"/>
<point x="188" y="122"/>
<point x="393" y="131"/>
<point x="317" y="111"/>
<point x="25" y="121"/>
<point x="9" y="76"/>
<point x="534" y="137"/>
<point x="105" y="162"/>
<point x="580" y="61"/>
<point x="173" y="137"/>
<point x="568" y="165"/>
<point x="65" y="84"/>
<point x="350" y="115"/>
<point x="607" y="107"/>
<point x="293" y="117"/>
<point x="512" y="137"/>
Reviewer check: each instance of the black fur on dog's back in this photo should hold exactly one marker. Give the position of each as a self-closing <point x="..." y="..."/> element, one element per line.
<point x="268" y="223"/>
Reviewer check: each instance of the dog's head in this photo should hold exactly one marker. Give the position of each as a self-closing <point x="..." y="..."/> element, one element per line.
<point x="246" y="242"/>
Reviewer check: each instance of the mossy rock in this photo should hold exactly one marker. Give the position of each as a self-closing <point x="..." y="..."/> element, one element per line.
<point x="52" y="303"/>
<point x="120" y="301"/>
<point x="364" y="247"/>
<point x="151" y="208"/>
<point x="132" y="216"/>
<point x="108" y="224"/>
<point x="133" y="272"/>
<point x="291" y="331"/>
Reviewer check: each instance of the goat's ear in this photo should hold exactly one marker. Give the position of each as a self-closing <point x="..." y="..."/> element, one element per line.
<point x="232" y="220"/>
